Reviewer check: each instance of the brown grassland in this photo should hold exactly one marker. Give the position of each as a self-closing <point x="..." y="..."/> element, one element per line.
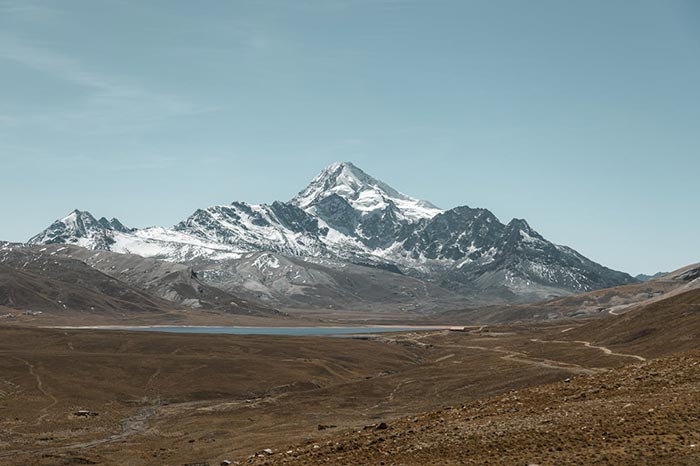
<point x="621" y="389"/>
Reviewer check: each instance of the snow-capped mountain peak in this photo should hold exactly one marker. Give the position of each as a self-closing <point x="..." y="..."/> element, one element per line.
<point x="80" y="227"/>
<point x="114" y="224"/>
<point x="363" y="192"/>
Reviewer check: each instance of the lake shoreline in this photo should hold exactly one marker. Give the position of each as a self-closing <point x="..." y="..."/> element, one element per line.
<point x="259" y="330"/>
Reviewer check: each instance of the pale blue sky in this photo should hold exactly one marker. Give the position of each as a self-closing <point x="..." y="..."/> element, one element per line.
<point x="582" y="117"/>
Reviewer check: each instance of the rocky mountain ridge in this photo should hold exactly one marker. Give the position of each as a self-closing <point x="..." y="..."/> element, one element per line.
<point x="346" y="216"/>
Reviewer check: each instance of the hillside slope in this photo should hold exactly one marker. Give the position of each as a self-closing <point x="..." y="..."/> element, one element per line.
<point x="177" y="283"/>
<point x="62" y="278"/>
<point x="41" y="282"/>
<point x="643" y="414"/>
<point x="659" y="328"/>
<point x="608" y="301"/>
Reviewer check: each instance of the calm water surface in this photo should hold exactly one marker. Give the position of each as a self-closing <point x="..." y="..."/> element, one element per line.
<point x="298" y="331"/>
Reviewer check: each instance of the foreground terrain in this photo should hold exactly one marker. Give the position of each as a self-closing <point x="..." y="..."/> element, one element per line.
<point x="621" y="389"/>
<point x="645" y="414"/>
<point x="179" y="399"/>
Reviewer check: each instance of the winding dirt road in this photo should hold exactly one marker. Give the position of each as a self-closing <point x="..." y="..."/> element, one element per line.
<point x="588" y="344"/>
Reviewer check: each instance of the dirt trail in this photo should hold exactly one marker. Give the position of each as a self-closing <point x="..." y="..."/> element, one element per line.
<point x="153" y="377"/>
<point x="588" y="344"/>
<point x="9" y="388"/>
<point x="608" y="351"/>
<point x="391" y="396"/>
<point x="445" y="358"/>
<point x="544" y="363"/>
<point x="133" y="425"/>
<point x="332" y="370"/>
<point x="69" y="343"/>
<point x="508" y="355"/>
<point x="40" y="387"/>
<point x="416" y="337"/>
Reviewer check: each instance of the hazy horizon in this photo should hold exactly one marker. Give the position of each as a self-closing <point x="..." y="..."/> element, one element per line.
<point x="581" y="118"/>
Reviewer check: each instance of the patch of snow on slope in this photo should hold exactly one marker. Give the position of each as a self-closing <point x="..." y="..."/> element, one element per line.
<point x="265" y="261"/>
<point x="167" y="244"/>
<point x="527" y="238"/>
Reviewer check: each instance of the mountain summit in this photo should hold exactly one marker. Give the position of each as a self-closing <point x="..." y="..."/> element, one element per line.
<point x="81" y="228"/>
<point x="362" y="192"/>
<point x="345" y="216"/>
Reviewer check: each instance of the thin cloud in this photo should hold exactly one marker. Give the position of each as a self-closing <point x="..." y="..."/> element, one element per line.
<point x="24" y="9"/>
<point x="99" y="162"/>
<point x="59" y="66"/>
<point x="145" y="164"/>
<point x="7" y="120"/>
<point x="109" y="103"/>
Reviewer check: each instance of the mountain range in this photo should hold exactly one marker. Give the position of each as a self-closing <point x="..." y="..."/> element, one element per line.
<point x="320" y="247"/>
<point x="642" y="277"/>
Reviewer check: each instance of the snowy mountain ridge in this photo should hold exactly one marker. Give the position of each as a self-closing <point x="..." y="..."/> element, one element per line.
<point x="345" y="215"/>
